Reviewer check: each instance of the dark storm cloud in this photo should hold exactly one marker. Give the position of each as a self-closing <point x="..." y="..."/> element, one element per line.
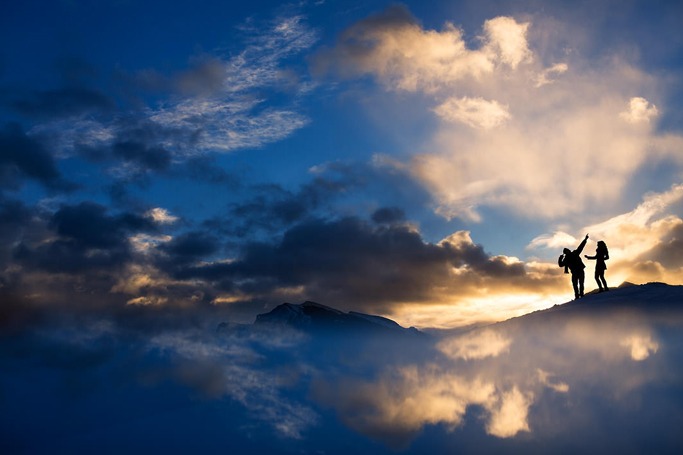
<point x="74" y="97"/>
<point x="15" y="313"/>
<point x="388" y="215"/>
<point x="274" y="207"/>
<point x="205" y="169"/>
<point x="89" y="224"/>
<point x="88" y="238"/>
<point x="14" y="220"/>
<point x="351" y="261"/>
<point x="140" y="141"/>
<point x="22" y="156"/>
<point x="269" y="210"/>
<point x="62" y="102"/>
<point x="153" y="158"/>
<point x="142" y="145"/>
<point x="669" y="252"/>
<point x="191" y="246"/>
<point x="206" y="77"/>
<point x="13" y="214"/>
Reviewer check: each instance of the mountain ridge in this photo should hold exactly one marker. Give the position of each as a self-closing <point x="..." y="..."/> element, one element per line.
<point x="649" y="299"/>
<point x="312" y="316"/>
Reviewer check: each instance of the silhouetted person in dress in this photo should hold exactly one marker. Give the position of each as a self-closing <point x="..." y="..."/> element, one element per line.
<point x="571" y="261"/>
<point x="601" y="255"/>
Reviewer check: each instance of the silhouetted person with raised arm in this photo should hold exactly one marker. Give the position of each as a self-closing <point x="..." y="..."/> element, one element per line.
<point x="571" y="261"/>
<point x="601" y="255"/>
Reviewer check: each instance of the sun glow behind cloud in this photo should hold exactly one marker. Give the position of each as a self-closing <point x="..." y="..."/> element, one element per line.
<point x="513" y="129"/>
<point x="474" y="310"/>
<point x="637" y="240"/>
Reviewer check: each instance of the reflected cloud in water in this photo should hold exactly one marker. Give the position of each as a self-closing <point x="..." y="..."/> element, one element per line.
<point x="557" y="374"/>
<point x="602" y="374"/>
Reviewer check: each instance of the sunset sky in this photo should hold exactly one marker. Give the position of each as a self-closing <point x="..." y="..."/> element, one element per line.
<point x="425" y="161"/>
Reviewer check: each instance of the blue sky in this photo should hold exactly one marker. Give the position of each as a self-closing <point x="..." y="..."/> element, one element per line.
<point x="424" y="162"/>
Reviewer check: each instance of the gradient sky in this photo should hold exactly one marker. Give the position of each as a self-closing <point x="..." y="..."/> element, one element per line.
<point x="427" y="162"/>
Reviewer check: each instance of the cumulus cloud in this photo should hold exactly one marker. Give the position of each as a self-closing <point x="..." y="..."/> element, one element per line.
<point x="393" y="47"/>
<point x="25" y="157"/>
<point x="639" y="110"/>
<point x="507" y="38"/>
<point x="353" y="264"/>
<point x="513" y="128"/>
<point x="566" y="156"/>
<point x="83" y="237"/>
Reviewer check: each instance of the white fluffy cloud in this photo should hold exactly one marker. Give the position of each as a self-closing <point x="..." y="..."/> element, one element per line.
<point x="397" y="51"/>
<point x="507" y="40"/>
<point x="569" y="135"/>
<point x="639" y="110"/>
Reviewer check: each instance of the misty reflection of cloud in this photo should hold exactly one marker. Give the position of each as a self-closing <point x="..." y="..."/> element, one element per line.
<point x="641" y="346"/>
<point x="475" y="345"/>
<point x="230" y="365"/>
<point x="536" y="374"/>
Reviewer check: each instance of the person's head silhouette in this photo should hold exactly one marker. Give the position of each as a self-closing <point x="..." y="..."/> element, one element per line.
<point x="566" y="251"/>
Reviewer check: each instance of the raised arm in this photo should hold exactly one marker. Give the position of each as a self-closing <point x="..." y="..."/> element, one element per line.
<point x="581" y="245"/>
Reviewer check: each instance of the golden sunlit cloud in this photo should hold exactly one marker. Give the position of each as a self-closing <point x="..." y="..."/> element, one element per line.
<point x="579" y="153"/>
<point x="466" y="309"/>
<point x="512" y="129"/>
<point x="508" y="39"/>
<point x="393" y="47"/>
<point x="475" y="112"/>
<point x="545" y="77"/>
<point x="161" y="216"/>
<point x="148" y="300"/>
<point x="639" y="111"/>
<point x="144" y="243"/>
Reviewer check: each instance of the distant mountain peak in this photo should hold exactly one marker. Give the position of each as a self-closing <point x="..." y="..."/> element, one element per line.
<point x="313" y="316"/>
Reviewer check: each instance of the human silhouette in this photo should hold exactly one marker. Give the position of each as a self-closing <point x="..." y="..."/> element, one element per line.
<point x="601" y="255"/>
<point x="571" y="261"/>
